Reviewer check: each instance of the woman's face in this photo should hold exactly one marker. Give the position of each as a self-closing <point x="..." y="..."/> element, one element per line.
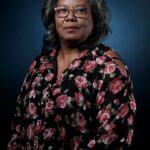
<point x="73" y="19"/>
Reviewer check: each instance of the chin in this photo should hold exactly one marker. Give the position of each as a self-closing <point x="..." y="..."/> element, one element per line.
<point x="72" y="39"/>
<point x="72" y="42"/>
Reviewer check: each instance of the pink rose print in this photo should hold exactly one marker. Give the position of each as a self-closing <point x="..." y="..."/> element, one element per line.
<point x="58" y="118"/>
<point x="124" y="110"/>
<point x="109" y="126"/>
<point x="100" y="83"/>
<point x="103" y="115"/>
<point x="133" y="104"/>
<point x="100" y="60"/>
<point x="95" y="84"/>
<point x="45" y="90"/>
<point x="41" y="59"/>
<point x="14" y="136"/>
<point x="56" y="91"/>
<point x="36" y="81"/>
<point x="91" y="144"/>
<point x="80" y="120"/>
<point x="30" y="132"/>
<point x="115" y="86"/>
<point x="42" y="68"/>
<point x="110" y="68"/>
<point x="56" y="112"/>
<point x="48" y="65"/>
<point x="75" y="64"/>
<point x="100" y="98"/>
<point x="116" y="101"/>
<point x="32" y="109"/>
<point x="94" y="53"/>
<point x="53" y="53"/>
<point x="49" y="106"/>
<point x="130" y="120"/>
<point x="84" y="53"/>
<point x="18" y="128"/>
<point x="129" y="138"/>
<point x="62" y="133"/>
<point x="59" y="81"/>
<point x="109" y="138"/>
<point x="79" y="99"/>
<point x="61" y="101"/>
<point x="130" y="135"/>
<point x="32" y="94"/>
<point x="48" y="133"/>
<point x="46" y="94"/>
<point x="89" y="66"/>
<point x="39" y="127"/>
<point x="75" y="143"/>
<point x="32" y="67"/>
<point x="81" y="82"/>
<point x="26" y="83"/>
<point x="49" y="77"/>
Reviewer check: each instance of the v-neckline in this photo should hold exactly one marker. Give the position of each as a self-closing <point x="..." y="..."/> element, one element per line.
<point x="65" y="70"/>
<point x="83" y="54"/>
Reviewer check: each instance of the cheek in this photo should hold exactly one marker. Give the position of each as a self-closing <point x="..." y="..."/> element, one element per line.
<point x="88" y="27"/>
<point x="58" y="25"/>
<point x="90" y="24"/>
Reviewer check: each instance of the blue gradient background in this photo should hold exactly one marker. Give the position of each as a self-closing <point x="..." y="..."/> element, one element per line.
<point x="21" y="33"/>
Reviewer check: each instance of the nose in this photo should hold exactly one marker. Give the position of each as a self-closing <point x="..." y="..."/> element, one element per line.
<point x="71" y="16"/>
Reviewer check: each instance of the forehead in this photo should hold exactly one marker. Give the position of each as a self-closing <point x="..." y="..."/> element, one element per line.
<point x="72" y="2"/>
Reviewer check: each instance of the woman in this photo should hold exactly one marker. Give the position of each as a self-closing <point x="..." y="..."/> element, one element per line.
<point x="78" y="93"/>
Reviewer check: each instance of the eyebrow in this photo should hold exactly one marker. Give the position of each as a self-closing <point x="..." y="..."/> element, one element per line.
<point x="62" y="5"/>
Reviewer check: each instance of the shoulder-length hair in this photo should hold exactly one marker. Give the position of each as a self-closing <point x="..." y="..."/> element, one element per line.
<point x="100" y="16"/>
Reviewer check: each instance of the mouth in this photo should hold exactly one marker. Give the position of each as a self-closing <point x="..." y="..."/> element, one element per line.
<point x="70" y="28"/>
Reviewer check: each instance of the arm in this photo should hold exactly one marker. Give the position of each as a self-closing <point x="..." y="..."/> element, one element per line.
<point x="115" y="108"/>
<point x="16" y="125"/>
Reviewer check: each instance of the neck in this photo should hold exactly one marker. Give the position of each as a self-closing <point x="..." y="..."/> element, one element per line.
<point x="68" y="53"/>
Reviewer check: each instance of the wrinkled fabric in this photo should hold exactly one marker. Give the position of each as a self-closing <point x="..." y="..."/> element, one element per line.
<point x="90" y="106"/>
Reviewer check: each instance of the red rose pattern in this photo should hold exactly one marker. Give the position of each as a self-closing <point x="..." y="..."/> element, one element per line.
<point x="115" y="86"/>
<point x="81" y="82"/>
<point x="103" y="115"/>
<point x="61" y="101"/>
<point x="91" y="144"/>
<point x="89" y="66"/>
<point x="82" y="109"/>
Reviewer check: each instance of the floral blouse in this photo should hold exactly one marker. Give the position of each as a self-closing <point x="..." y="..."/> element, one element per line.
<point x="90" y="106"/>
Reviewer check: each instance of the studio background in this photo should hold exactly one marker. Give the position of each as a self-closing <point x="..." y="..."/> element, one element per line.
<point x="21" y="35"/>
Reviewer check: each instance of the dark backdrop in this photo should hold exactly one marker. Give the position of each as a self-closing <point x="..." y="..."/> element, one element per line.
<point x="21" y="33"/>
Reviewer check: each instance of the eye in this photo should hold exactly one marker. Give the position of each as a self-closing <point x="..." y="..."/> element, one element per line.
<point x="61" y="10"/>
<point x="81" y="10"/>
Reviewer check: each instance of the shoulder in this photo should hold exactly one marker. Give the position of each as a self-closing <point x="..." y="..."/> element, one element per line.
<point x="42" y="60"/>
<point x="110" y="61"/>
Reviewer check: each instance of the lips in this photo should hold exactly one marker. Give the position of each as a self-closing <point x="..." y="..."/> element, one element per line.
<point x="70" y="28"/>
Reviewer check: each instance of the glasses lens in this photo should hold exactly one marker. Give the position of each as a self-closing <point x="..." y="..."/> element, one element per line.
<point x="61" y="11"/>
<point x="81" y="12"/>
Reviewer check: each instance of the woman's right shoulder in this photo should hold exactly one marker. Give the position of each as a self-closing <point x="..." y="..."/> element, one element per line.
<point x="41" y="60"/>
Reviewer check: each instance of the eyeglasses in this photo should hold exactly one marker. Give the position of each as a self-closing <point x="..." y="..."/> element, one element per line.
<point x="79" y="12"/>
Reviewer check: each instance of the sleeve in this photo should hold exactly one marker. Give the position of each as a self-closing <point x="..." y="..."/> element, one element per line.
<point x="16" y="125"/>
<point x="115" y="108"/>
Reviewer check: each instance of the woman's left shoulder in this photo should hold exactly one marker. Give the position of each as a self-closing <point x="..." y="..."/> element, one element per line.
<point x="108" y="52"/>
<point x="111" y="59"/>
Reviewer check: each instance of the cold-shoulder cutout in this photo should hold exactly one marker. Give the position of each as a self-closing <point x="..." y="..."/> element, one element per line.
<point x="117" y="59"/>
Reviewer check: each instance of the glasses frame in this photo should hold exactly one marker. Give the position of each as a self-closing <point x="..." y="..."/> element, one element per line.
<point x="73" y="10"/>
